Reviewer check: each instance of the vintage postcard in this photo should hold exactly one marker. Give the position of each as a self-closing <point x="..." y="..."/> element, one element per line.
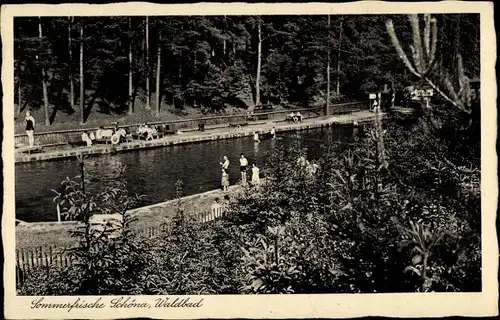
<point x="241" y="160"/>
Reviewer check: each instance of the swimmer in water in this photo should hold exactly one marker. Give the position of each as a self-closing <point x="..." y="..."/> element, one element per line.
<point x="273" y="132"/>
<point x="256" y="137"/>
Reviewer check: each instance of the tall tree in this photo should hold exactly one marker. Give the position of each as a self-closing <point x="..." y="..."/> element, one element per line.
<point x="327" y="110"/>
<point x="18" y="73"/>
<point x="338" y="57"/>
<point x="148" y="72"/>
<point x="130" y="70"/>
<point x="19" y="93"/>
<point x="259" y="62"/>
<point x="44" y="80"/>
<point x="212" y="62"/>
<point x="70" y="64"/>
<point x="82" y="84"/>
<point x="158" y="75"/>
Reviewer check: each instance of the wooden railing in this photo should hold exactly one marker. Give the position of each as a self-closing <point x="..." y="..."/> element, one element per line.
<point x="59" y="137"/>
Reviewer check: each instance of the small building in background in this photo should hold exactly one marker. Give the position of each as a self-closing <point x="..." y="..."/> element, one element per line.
<point x="475" y="89"/>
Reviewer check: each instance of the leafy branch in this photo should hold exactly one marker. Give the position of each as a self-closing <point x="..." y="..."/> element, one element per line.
<point x="423" y="62"/>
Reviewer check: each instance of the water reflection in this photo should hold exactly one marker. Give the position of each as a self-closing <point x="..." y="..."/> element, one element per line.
<point x="256" y="148"/>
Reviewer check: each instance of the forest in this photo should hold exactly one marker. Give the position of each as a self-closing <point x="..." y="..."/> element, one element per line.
<point x="78" y="68"/>
<point x="397" y="210"/>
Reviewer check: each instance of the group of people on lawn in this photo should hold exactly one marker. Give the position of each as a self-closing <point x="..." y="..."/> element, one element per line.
<point x="295" y="116"/>
<point x="114" y="135"/>
<point x="117" y="134"/>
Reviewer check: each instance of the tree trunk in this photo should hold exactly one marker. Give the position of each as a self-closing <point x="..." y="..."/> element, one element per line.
<point x="82" y="85"/>
<point x="180" y="69"/>
<point x="224" y="43"/>
<point x="19" y="94"/>
<point x="158" y="68"/>
<point x="70" y="66"/>
<point x="382" y="160"/>
<point x="148" y="94"/>
<point x="327" y="109"/>
<point x="338" y="60"/>
<point x="130" y="72"/>
<point x="424" y="271"/>
<point x="194" y="61"/>
<point x="19" y="88"/>
<point x="441" y="45"/>
<point x="259" y="57"/>
<point x="456" y="43"/>
<point x="234" y="53"/>
<point x="44" y="81"/>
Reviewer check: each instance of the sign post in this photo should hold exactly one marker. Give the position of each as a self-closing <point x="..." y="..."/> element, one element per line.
<point x="373" y="100"/>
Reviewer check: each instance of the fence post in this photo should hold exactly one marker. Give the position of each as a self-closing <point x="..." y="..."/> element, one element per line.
<point x="50" y="255"/>
<point x="40" y="257"/>
<point x="58" y="213"/>
<point x="32" y="266"/>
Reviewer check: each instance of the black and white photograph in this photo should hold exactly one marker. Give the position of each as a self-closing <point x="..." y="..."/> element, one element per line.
<point x="197" y="156"/>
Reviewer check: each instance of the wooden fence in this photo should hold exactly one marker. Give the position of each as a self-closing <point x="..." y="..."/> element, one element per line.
<point x="61" y="137"/>
<point x="30" y="259"/>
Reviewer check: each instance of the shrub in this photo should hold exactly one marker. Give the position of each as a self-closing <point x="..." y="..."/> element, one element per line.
<point x="354" y="224"/>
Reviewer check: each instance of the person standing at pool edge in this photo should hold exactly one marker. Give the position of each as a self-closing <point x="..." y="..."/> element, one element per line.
<point x="225" y="164"/>
<point x="225" y="180"/>
<point x="255" y="175"/>
<point x="243" y="169"/>
<point x="30" y="128"/>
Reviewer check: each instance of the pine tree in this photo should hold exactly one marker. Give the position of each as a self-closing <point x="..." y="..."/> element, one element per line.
<point x="44" y="79"/>
<point x="82" y="83"/>
<point x="70" y="63"/>
<point x="259" y="62"/>
<point x="327" y="110"/>
<point x="148" y="71"/>
<point x="218" y="61"/>
<point x="338" y="57"/>
<point x="158" y="75"/>
<point x="130" y="70"/>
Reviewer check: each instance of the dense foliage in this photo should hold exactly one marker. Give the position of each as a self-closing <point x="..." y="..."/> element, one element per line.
<point x="396" y="211"/>
<point x="212" y="62"/>
<point x="413" y="225"/>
